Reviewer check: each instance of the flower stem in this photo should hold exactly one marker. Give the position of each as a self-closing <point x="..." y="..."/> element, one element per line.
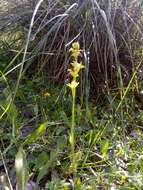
<point x="73" y="122"/>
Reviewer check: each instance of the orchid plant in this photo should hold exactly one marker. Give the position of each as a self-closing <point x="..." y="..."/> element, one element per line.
<point x="74" y="72"/>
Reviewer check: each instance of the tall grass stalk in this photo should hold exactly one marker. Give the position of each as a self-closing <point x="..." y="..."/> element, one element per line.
<point x="26" y="46"/>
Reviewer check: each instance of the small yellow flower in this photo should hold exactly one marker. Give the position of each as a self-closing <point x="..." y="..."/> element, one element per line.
<point x="75" y="53"/>
<point x="47" y="94"/>
<point x="76" y="45"/>
<point x="73" y="84"/>
<point x="75" y="50"/>
<point x="73" y="73"/>
<point x="77" y="66"/>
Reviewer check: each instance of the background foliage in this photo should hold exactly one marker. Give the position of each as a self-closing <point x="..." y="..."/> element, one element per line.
<point x="35" y="104"/>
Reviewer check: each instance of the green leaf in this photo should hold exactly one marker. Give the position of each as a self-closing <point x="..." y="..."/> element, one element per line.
<point x="41" y="160"/>
<point x="104" y="148"/>
<point x="21" y="169"/>
<point x="36" y="109"/>
<point x="47" y="166"/>
<point x="7" y="107"/>
<point x="42" y="172"/>
<point x="61" y="142"/>
<point x="36" y="134"/>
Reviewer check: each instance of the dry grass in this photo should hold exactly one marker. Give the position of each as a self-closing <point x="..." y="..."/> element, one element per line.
<point x="108" y="31"/>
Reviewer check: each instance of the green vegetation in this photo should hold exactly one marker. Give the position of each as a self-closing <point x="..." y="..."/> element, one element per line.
<point x="71" y="96"/>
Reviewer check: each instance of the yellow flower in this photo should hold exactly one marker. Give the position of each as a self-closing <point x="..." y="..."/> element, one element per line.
<point x="46" y="94"/>
<point x="73" y="73"/>
<point x="73" y="84"/>
<point x="75" y="50"/>
<point x="77" y="66"/>
<point x="75" y="53"/>
<point x="76" y="45"/>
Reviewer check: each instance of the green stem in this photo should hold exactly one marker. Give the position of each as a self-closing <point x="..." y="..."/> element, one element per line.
<point x="73" y="122"/>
